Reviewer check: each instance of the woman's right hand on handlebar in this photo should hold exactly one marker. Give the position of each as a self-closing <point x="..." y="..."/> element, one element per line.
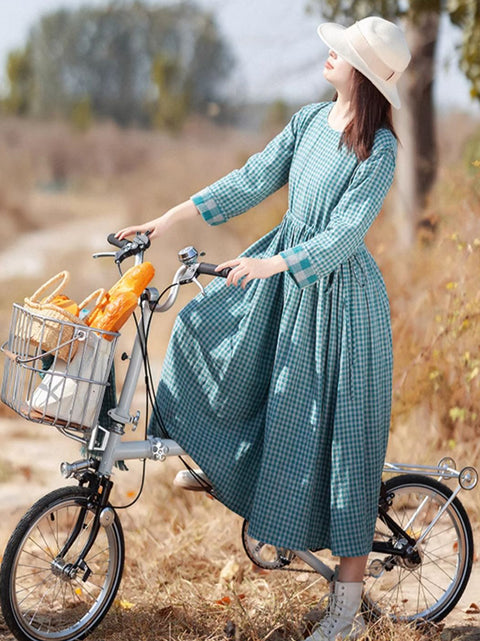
<point x="158" y="226"/>
<point x="155" y="227"/>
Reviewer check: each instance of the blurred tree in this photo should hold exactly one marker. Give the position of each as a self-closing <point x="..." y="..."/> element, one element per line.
<point x="170" y="109"/>
<point x="277" y="114"/>
<point x="19" y="75"/>
<point x="420" y="18"/>
<point x="81" y="115"/>
<point x="105" y="55"/>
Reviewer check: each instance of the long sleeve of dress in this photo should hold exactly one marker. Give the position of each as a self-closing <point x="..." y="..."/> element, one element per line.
<point x="356" y="210"/>
<point x="263" y="174"/>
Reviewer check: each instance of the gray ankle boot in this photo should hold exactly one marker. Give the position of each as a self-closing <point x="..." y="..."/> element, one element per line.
<point x="197" y="481"/>
<point x="341" y="620"/>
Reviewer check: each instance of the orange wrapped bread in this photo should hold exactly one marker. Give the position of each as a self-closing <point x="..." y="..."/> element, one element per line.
<point x="134" y="279"/>
<point x="122" y="298"/>
<point x="115" y="313"/>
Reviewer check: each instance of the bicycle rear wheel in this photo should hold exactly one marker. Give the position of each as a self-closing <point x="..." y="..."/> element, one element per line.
<point x="40" y="600"/>
<point x="427" y="582"/>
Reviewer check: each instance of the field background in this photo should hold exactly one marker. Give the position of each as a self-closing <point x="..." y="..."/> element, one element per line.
<point x="63" y="191"/>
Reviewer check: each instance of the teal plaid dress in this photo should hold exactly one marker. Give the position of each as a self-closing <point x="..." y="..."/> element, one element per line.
<point x="281" y="391"/>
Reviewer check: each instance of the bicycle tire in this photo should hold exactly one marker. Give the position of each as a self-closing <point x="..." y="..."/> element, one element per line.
<point x="428" y="587"/>
<point x="39" y="603"/>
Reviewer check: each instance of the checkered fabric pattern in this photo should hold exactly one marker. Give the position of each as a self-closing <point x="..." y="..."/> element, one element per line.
<point x="281" y="391"/>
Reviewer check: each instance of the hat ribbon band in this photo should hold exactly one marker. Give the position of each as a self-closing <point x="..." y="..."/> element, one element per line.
<point x="361" y="45"/>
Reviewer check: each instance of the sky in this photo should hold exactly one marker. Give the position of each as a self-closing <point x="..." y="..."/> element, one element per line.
<point x="275" y="43"/>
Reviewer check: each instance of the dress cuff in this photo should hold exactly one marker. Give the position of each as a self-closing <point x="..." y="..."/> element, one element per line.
<point x="208" y="208"/>
<point x="300" y="266"/>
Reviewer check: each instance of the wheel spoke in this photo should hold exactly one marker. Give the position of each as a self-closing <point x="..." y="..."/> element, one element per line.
<point x="59" y="589"/>
<point x="83" y="588"/>
<point x="434" y="560"/>
<point x="45" y="541"/>
<point x="41" y="601"/>
<point x="32" y="588"/>
<point x="36" y="567"/>
<point x="25" y="576"/>
<point x="34" y="555"/>
<point x="439" y="568"/>
<point x="90" y="558"/>
<point x="441" y="533"/>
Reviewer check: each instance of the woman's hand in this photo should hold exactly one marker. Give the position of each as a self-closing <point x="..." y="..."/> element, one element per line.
<point x="157" y="227"/>
<point x="247" y="269"/>
<point x="182" y="212"/>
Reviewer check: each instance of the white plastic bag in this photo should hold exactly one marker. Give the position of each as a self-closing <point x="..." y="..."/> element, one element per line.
<point x="65" y="399"/>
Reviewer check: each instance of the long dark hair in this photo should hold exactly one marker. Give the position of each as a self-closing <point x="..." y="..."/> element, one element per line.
<point x="371" y="111"/>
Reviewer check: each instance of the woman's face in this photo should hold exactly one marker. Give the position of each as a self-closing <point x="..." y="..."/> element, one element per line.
<point x="338" y="72"/>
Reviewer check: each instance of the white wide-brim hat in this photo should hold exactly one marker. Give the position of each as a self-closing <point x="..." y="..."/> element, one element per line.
<point x="374" y="46"/>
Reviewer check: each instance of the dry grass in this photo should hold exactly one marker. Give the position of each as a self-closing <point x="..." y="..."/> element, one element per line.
<point x="75" y="188"/>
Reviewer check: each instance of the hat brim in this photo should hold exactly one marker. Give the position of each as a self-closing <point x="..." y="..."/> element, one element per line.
<point x="333" y="35"/>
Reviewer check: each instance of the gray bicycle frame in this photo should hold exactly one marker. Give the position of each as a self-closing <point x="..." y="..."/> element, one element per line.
<point x="113" y="449"/>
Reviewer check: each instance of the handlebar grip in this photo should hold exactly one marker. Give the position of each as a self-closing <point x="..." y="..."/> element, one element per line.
<point x="114" y="241"/>
<point x="208" y="268"/>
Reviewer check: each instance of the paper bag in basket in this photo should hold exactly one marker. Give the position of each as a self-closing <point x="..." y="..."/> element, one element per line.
<point x="64" y="398"/>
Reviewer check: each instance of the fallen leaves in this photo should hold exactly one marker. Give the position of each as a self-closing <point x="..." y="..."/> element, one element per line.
<point x="226" y="600"/>
<point x="123" y="604"/>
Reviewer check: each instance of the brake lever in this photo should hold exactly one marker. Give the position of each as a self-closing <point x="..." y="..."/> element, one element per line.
<point x="123" y="253"/>
<point x="104" y="254"/>
<point x="191" y="277"/>
<point x="197" y="282"/>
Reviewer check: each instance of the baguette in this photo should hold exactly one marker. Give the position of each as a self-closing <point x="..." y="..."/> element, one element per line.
<point x="121" y="299"/>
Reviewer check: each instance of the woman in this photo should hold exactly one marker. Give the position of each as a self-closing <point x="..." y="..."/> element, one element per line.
<point x="281" y="388"/>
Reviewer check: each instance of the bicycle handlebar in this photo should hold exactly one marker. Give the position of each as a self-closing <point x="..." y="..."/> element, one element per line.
<point x="209" y="268"/>
<point x="184" y="274"/>
<point x="113" y="240"/>
<point x="134" y="247"/>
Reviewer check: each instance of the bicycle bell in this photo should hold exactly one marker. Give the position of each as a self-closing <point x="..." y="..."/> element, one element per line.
<point x="188" y="255"/>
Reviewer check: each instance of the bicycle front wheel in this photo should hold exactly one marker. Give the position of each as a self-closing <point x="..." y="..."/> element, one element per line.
<point x="428" y="580"/>
<point x="41" y="600"/>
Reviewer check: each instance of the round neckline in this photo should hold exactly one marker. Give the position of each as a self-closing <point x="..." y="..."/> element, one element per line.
<point x="337" y="131"/>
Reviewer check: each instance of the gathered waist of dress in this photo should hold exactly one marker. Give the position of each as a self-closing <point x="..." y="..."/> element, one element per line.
<point x="309" y="231"/>
<point x="290" y="219"/>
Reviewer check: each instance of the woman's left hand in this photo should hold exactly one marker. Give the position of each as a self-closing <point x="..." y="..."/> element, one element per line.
<point x="247" y="269"/>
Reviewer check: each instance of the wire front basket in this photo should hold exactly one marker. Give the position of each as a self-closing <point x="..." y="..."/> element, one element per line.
<point x="61" y="385"/>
